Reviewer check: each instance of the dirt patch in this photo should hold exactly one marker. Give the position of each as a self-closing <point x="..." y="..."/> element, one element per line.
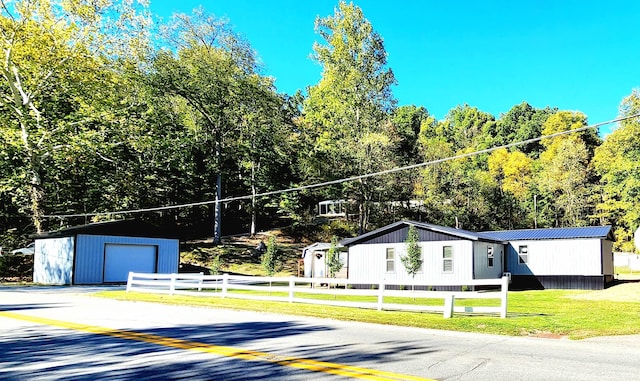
<point x="239" y="251"/>
<point x="549" y="335"/>
<point x="626" y="291"/>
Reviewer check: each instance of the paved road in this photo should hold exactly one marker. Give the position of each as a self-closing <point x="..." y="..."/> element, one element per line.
<point x="54" y="334"/>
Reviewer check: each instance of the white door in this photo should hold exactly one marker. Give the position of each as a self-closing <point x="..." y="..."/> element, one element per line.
<point x="119" y="259"/>
<point x="319" y="264"/>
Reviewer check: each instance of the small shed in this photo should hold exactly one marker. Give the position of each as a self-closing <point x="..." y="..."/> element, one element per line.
<point x="315" y="261"/>
<point x="448" y="254"/>
<point x="103" y="253"/>
<point x="559" y="258"/>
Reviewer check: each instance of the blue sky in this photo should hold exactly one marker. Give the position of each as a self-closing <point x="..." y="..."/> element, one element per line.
<point x="574" y="55"/>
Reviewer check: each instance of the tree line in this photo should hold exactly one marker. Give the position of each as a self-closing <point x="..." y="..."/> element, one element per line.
<point x="103" y="110"/>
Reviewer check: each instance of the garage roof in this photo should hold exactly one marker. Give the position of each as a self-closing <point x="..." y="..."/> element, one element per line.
<point x="126" y="228"/>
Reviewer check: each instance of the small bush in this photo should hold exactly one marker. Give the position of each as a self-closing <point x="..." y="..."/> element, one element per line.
<point x="216" y="265"/>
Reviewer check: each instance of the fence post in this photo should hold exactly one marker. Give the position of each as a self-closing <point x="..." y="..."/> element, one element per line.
<point x="225" y="283"/>
<point x="448" y="305"/>
<point x="380" y="295"/>
<point x="503" y="300"/>
<point x="200" y="281"/>
<point x="292" y="284"/>
<point x="172" y="284"/>
<point x="129" y="280"/>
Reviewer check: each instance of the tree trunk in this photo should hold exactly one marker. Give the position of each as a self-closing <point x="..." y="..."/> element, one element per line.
<point x="37" y="201"/>
<point x="217" y="213"/>
<point x="254" y="203"/>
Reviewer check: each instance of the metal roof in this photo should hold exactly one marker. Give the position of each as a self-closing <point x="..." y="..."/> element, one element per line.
<point x="464" y="234"/>
<point x="602" y="232"/>
<point x="553" y="233"/>
<point x="128" y="227"/>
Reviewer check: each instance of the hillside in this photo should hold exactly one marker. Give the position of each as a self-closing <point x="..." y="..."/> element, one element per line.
<point x="238" y="254"/>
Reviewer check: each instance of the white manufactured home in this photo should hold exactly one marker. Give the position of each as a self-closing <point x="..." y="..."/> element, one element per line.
<point x="560" y="258"/>
<point x="572" y="258"/>
<point x="448" y="255"/>
<point x="102" y="253"/>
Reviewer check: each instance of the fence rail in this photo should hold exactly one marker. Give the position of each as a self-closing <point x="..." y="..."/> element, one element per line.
<point x="302" y="290"/>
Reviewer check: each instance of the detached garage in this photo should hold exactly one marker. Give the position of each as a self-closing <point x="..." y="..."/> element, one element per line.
<point x="102" y="253"/>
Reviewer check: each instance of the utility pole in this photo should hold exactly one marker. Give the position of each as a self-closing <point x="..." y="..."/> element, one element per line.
<point x="535" y="211"/>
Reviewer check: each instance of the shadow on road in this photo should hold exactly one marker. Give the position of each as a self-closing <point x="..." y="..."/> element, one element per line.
<point x="30" y="306"/>
<point x="41" y="352"/>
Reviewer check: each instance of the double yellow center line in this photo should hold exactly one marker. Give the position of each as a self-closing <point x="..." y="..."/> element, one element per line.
<point x="237" y="353"/>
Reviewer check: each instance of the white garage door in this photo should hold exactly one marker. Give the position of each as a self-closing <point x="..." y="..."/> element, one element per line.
<point x="120" y="259"/>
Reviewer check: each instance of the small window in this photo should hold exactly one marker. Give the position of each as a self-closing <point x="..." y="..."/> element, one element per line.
<point x="391" y="260"/>
<point x="523" y="255"/>
<point x="490" y="256"/>
<point x="447" y="259"/>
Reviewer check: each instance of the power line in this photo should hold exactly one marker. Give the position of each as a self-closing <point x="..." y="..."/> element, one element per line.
<point x="347" y="179"/>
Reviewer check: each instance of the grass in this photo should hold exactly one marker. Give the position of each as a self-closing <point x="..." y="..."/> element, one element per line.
<point x="625" y="270"/>
<point x="531" y="313"/>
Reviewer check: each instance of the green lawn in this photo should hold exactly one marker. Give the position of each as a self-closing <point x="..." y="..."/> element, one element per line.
<point x="530" y="313"/>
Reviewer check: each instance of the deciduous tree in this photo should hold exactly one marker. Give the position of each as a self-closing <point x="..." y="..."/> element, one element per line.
<point x="617" y="161"/>
<point x="412" y="260"/>
<point x="344" y="114"/>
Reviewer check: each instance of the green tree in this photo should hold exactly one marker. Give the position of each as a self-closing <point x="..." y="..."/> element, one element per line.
<point x="513" y="174"/>
<point x="412" y="261"/>
<point x="214" y="72"/>
<point x="465" y="126"/>
<point x="408" y="121"/>
<point x="564" y="178"/>
<point x="55" y="66"/>
<point x="521" y="122"/>
<point x="334" y="263"/>
<point x="271" y="258"/>
<point x="344" y="114"/>
<point x="617" y="161"/>
<point x="263" y="148"/>
<point x="458" y="192"/>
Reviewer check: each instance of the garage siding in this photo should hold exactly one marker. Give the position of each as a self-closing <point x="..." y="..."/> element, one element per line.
<point x="90" y="255"/>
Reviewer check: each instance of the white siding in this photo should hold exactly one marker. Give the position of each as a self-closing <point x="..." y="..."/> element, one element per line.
<point x="367" y="262"/>
<point x="480" y="262"/>
<point x="315" y="267"/>
<point x="557" y="257"/>
<point x="53" y="261"/>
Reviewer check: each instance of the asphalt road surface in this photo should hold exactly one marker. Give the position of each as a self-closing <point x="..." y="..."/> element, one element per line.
<point x="65" y="334"/>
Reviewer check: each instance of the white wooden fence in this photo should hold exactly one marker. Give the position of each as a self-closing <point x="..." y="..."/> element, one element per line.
<point x="295" y="288"/>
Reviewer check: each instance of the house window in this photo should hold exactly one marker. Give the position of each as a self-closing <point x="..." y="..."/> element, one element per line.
<point x="490" y="256"/>
<point x="391" y="260"/>
<point x="447" y="259"/>
<point x="523" y="255"/>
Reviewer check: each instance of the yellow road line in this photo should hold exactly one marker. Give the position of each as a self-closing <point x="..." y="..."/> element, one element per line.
<point x="238" y="353"/>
